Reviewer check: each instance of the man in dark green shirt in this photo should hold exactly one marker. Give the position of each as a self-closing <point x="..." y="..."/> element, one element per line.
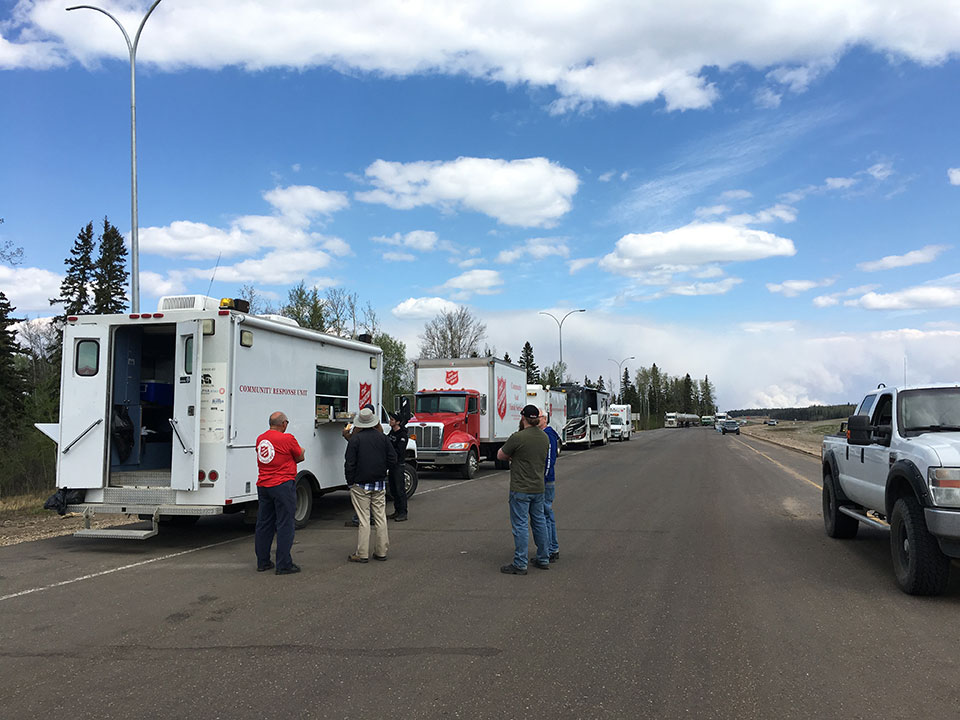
<point x="527" y="451"/>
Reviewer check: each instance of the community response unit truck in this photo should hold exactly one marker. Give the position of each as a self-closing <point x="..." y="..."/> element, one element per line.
<point x="160" y="411"/>
<point x="553" y="402"/>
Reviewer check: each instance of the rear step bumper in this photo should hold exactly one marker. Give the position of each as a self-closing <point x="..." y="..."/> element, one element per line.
<point x="154" y="511"/>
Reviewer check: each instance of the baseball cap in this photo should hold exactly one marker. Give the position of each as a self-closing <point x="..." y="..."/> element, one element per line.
<point x="531" y="412"/>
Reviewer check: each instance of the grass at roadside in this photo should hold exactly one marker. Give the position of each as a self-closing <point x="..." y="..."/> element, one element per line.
<point x="31" y="504"/>
<point x="807" y="435"/>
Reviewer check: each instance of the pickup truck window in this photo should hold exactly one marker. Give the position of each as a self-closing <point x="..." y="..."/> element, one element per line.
<point x="883" y="414"/>
<point x="929" y="410"/>
<point x="866" y="405"/>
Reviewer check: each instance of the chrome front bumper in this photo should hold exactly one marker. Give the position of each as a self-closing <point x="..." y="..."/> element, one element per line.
<point x="441" y="457"/>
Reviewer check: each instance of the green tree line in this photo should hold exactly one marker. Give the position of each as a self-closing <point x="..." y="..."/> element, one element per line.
<point x="813" y="412"/>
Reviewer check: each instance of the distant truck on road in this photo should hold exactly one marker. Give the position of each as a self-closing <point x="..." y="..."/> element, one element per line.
<point x="897" y="467"/>
<point x="621" y="422"/>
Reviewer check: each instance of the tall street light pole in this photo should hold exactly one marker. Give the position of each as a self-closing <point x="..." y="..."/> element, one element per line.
<point x="560" y="326"/>
<point x="134" y="234"/>
<point x="620" y="374"/>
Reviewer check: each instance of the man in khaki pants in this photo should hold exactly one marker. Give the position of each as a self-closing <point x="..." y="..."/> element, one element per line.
<point x="368" y="460"/>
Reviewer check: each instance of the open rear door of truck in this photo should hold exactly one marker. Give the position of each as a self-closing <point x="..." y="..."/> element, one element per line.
<point x="83" y="430"/>
<point x="185" y="463"/>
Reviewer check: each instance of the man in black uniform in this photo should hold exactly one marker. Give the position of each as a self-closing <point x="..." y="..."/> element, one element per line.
<point x="398" y="487"/>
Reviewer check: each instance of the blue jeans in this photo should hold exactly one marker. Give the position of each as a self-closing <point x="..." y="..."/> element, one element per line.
<point x="523" y="505"/>
<point x="549" y="493"/>
<point x="275" y="510"/>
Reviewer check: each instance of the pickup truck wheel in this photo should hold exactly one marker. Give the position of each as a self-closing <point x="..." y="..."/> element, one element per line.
<point x="410" y="479"/>
<point x="919" y="565"/>
<point x="470" y="465"/>
<point x="304" y="490"/>
<point x="836" y="524"/>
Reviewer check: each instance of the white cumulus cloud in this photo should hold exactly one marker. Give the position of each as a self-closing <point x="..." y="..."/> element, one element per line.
<point x="536" y="249"/>
<point x="30" y="289"/>
<point x="423" y="307"/>
<point x="532" y="192"/>
<point x="479" y="282"/>
<point x="302" y="203"/>
<point x="792" y="288"/>
<point x="925" y="254"/>
<point x="915" y="298"/>
<point x="692" y="246"/>
<point x="953" y="174"/>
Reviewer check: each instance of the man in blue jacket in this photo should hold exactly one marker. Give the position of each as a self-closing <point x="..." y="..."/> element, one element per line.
<point x="550" y="488"/>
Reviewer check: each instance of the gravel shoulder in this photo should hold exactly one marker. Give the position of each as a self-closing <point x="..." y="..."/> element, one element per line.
<point x="24" y="520"/>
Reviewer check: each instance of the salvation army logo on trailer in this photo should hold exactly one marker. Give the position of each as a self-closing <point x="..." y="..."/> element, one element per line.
<point x="453" y="377"/>
<point x="366" y="397"/>
<point x="502" y="397"/>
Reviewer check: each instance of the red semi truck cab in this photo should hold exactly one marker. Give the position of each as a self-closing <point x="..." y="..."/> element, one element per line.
<point x="447" y="426"/>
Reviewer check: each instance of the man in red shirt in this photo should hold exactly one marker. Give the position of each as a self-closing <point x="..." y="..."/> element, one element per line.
<point x="278" y="453"/>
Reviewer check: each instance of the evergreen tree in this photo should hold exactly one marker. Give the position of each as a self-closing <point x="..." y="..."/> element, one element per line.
<point x="75" y="288"/>
<point x="552" y="375"/>
<point x="13" y="382"/>
<point x="600" y="385"/>
<point x="110" y="273"/>
<point x="527" y="363"/>
<point x="506" y="357"/>
<point x="687" y="402"/>
<point x="307" y="308"/>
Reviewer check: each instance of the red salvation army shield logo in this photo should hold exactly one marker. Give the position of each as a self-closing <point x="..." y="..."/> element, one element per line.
<point x="502" y="397"/>
<point x="453" y="377"/>
<point x="366" y="397"/>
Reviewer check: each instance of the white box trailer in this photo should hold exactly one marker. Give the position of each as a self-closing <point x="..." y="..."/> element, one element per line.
<point x="160" y="411"/>
<point x="465" y="409"/>
<point x="621" y="422"/>
<point x="553" y="402"/>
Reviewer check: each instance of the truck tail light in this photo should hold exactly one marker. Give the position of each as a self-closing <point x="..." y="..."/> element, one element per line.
<point x="213" y="475"/>
<point x="201" y="476"/>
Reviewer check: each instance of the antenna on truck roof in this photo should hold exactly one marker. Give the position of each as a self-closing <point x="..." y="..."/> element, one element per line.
<point x="214" y="272"/>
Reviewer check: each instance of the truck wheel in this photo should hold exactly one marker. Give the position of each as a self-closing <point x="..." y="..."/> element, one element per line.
<point x="410" y="479"/>
<point x="837" y="525"/>
<point x="919" y="565"/>
<point x="470" y="465"/>
<point x="304" y="489"/>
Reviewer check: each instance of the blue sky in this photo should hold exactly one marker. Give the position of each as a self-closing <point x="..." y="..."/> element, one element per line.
<point x="762" y="192"/>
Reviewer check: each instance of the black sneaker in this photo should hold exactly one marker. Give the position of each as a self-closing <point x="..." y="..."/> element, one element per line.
<point x="540" y="565"/>
<point x="512" y="569"/>
<point x="391" y="516"/>
<point x="399" y="518"/>
<point x="352" y="523"/>
<point x="294" y="568"/>
<point x="263" y="568"/>
<point x="381" y="558"/>
<point x="555" y="556"/>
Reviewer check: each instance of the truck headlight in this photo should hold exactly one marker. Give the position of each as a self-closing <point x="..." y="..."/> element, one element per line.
<point x="458" y="446"/>
<point x="944" y="485"/>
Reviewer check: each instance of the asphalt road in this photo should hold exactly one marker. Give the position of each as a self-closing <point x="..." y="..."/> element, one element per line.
<point x="695" y="580"/>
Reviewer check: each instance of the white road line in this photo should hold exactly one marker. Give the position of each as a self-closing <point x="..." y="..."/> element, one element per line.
<point x="118" y="569"/>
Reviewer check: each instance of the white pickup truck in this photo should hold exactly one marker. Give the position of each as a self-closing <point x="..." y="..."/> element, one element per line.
<point x="897" y="468"/>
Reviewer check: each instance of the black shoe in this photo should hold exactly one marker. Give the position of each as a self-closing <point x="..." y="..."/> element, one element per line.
<point x="381" y="558"/>
<point x="540" y="565"/>
<point x="391" y="516"/>
<point x="263" y="568"/>
<point x="294" y="568"/>
<point x="512" y="569"/>
<point x="352" y="523"/>
<point x="555" y="556"/>
<point x="400" y="518"/>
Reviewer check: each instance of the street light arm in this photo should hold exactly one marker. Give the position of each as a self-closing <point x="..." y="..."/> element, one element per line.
<point x="143" y="22"/>
<point x="130" y="45"/>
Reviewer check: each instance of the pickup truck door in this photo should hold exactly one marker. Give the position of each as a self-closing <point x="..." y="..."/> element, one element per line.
<point x="869" y="464"/>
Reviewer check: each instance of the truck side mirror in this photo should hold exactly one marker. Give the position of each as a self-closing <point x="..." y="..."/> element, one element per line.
<point x="883" y="434"/>
<point x="859" y="430"/>
<point x="483" y="404"/>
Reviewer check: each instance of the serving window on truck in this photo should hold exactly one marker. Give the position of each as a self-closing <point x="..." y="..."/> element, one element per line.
<point x="332" y="390"/>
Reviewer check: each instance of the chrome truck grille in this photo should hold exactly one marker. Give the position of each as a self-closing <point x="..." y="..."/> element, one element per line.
<point x="429" y="437"/>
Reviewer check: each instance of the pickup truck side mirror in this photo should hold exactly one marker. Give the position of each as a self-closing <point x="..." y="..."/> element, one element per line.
<point x="859" y="430"/>
<point x="882" y="434"/>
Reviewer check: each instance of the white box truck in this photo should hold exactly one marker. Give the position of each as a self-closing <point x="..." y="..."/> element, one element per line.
<point x="465" y="409"/>
<point x="159" y="412"/>
<point x="621" y="422"/>
<point x="551" y="401"/>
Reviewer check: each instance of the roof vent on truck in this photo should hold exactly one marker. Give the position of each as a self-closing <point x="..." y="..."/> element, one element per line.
<point x="187" y="302"/>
